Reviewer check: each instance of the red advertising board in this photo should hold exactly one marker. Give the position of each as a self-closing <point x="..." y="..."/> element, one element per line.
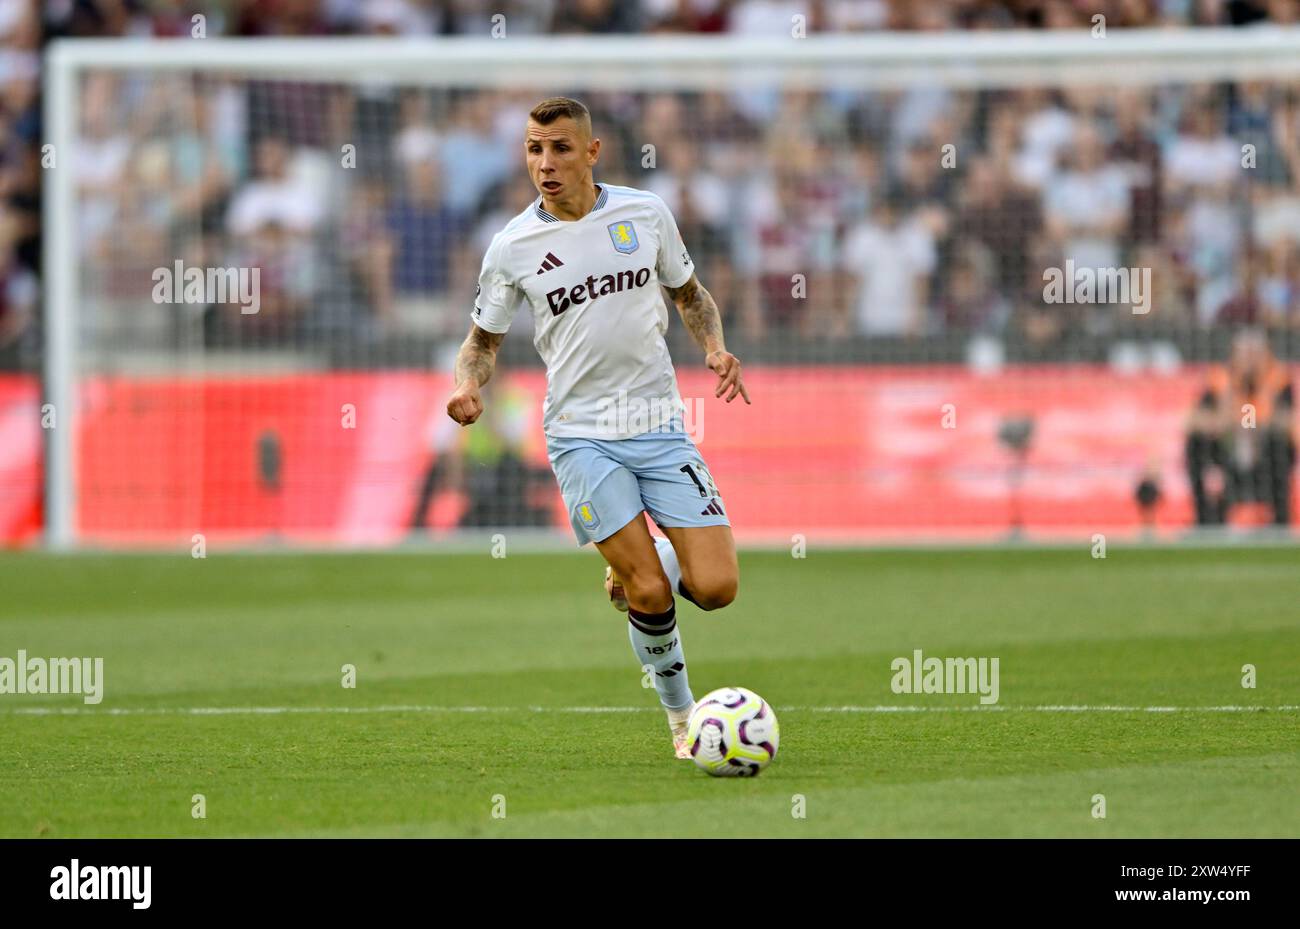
<point x="860" y="453"/>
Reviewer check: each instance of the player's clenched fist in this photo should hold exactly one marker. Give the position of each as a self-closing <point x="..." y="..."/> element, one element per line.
<point x="465" y="405"/>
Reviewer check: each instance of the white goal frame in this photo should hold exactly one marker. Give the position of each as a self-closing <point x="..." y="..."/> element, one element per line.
<point x="870" y="61"/>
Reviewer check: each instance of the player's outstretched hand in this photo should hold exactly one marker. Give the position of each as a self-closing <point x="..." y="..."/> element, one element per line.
<point x="727" y="367"/>
<point x="465" y="405"/>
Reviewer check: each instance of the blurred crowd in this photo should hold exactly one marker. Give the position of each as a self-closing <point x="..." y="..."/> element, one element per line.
<point x="20" y="180"/>
<point x="900" y="216"/>
<point x="893" y="217"/>
<point x="548" y="17"/>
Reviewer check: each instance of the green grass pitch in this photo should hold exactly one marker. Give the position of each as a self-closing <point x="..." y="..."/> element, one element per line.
<point x="530" y="640"/>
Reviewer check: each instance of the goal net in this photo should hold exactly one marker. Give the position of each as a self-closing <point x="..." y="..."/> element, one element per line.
<point x="982" y="285"/>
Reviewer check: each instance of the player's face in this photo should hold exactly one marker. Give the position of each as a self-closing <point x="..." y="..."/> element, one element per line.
<point x="560" y="157"/>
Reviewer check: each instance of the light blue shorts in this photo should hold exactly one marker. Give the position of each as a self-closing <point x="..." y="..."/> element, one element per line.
<point x="606" y="483"/>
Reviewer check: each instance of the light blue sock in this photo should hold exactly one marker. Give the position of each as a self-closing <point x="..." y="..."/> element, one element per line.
<point x="657" y="642"/>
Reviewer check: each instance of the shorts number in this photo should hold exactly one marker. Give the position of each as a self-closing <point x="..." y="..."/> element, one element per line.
<point x="711" y="490"/>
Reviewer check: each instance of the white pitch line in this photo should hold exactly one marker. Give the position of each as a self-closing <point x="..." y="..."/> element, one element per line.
<point x="284" y="710"/>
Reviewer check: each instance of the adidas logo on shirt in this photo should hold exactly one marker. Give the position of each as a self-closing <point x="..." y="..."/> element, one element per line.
<point x="550" y="263"/>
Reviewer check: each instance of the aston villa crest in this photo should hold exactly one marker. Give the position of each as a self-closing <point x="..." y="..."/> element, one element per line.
<point x="623" y="235"/>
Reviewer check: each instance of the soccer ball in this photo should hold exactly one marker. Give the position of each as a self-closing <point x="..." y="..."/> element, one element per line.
<point x="732" y="733"/>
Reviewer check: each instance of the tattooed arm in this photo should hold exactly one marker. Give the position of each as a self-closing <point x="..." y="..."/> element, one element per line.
<point x="700" y="314"/>
<point x="474" y="366"/>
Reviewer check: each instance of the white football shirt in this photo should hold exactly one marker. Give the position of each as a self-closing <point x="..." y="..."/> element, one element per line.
<point x="600" y="318"/>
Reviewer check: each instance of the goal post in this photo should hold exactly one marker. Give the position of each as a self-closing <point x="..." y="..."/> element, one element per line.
<point x="876" y="64"/>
